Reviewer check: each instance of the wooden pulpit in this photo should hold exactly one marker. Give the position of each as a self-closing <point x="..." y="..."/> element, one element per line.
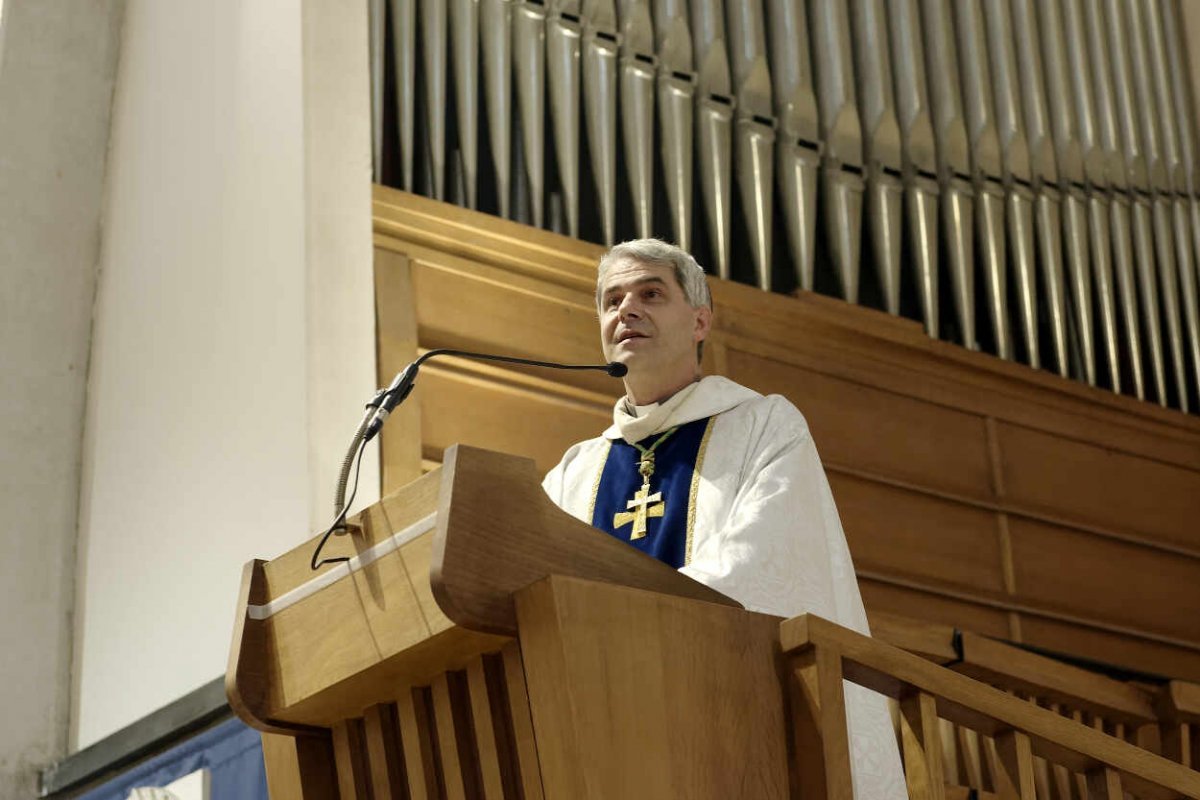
<point x="481" y="643"/>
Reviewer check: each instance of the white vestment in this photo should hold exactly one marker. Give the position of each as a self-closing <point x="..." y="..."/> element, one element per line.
<point x="766" y="532"/>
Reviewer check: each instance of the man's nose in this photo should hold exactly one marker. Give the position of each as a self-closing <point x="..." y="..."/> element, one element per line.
<point x="629" y="307"/>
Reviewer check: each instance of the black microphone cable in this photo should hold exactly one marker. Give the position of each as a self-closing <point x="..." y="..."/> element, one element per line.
<point x="386" y="400"/>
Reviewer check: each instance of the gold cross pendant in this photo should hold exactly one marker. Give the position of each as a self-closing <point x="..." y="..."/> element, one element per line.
<point x="645" y="505"/>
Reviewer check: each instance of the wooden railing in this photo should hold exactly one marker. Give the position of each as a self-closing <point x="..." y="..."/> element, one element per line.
<point x="1179" y="710"/>
<point x="1163" y="719"/>
<point x="821" y="654"/>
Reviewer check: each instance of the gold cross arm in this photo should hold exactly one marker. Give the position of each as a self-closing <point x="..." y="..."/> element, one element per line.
<point x="645" y="505"/>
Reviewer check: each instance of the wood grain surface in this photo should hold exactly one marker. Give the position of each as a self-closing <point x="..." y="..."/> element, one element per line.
<point x="977" y="491"/>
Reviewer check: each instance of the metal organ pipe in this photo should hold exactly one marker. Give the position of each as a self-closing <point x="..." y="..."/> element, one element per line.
<point x="953" y="156"/>
<point x="797" y="153"/>
<point x="714" y="123"/>
<point x="676" y="102"/>
<point x="985" y="165"/>
<point x="881" y="143"/>
<point x="1015" y="171"/>
<point x="1047" y="145"/>
<point x="918" y="153"/>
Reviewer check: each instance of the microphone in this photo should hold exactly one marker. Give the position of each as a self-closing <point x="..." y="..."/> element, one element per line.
<point x="400" y="387"/>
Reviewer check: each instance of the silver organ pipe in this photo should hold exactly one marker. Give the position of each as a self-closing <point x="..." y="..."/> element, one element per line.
<point x="714" y="123"/>
<point x="376" y="32"/>
<point x="1069" y="153"/>
<point x="754" y="130"/>
<point x="1115" y="177"/>
<point x="1159" y="187"/>
<point x="1128" y="115"/>
<point x="841" y="135"/>
<point x="676" y="103"/>
<point x="1044" y="174"/>
<point x="1099" y="211"/>
<point x="638" y="77"/>
<point x="1015" y="171"/>
<point x="1181" y="92"/>
<point x="434" y="44"/>
<point x="529" y="62"/>
<point x="881" y="143"/>
<point x="797" y="156"/>
<point x="1177" y="200"/>
<point x="563" y="34"/>
<point x="918" y="153"/>
<point x="986" y="169"/>
<point x="953" y="156"/>
<point x="1041" y="152"/>
<point x="495" y="19"/>
<point x="599" y="56"/>
<point x="464" y="37"/>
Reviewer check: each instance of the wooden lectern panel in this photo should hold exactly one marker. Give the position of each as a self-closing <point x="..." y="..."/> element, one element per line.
<point x="498" y="532"/>
<point x="637" y="694"/>
<point x="393" y="672"/>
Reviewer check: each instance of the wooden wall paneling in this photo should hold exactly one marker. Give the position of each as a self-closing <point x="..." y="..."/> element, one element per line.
<point x="508" y="418"/>
<point x="885" y="403"/>
<point x="878" y="432"/>
<point x="852" y="343"/>
<point x="1127" y="649"/>
<point x="476" y="308"/>
<point x="1054" y="682"/>
<point x="1062" y="570"/>
<point x="930" y="641"/>
<point x="910" y="534"/>
<point x="384" y="752"/>
<point x="883" y="593"/>
<point x="350" y="754"/>
<point x="1089" y="484"/>
<point x="446" y="228"/>
<point x="396" y="347"/>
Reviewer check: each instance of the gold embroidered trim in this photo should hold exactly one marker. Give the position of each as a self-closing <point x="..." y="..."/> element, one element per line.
<point x="691" y="515"/>
<point x="596" y="484"/>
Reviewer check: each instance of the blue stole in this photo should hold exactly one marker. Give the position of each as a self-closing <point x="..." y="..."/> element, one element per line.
<point x="676" y="477"/>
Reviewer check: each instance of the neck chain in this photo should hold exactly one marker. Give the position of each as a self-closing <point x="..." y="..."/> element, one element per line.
<point x="646" y="462"/>
<point x="643" y="505"/>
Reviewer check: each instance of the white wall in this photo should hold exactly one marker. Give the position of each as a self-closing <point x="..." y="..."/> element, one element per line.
<point x="215" y="419"/>
<point x="57" y="63"/>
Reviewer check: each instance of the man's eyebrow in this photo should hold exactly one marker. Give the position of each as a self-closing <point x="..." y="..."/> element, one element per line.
<point x="638" y="282"/>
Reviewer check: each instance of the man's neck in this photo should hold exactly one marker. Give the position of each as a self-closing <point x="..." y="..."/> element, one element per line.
<point x="640" y="394"/>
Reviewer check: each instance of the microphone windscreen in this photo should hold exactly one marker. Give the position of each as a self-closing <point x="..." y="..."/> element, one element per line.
<point x="617" y="370"/>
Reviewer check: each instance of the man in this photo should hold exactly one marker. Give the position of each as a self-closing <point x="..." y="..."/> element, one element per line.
<point x="715" y="479"/>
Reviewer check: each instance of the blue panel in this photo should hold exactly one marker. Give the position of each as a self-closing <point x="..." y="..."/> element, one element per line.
<point x="232" y="751"/>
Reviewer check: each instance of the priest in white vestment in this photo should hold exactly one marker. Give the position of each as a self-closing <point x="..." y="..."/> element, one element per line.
<point x="715" y="479"/>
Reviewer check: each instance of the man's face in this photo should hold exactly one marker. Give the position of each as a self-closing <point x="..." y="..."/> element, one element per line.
<point x="646" y="322"/>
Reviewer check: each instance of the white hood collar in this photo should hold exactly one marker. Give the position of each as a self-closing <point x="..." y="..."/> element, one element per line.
<point x="711" y="395"/>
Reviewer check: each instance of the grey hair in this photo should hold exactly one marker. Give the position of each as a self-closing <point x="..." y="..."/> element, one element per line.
<point x="656" y="252"/>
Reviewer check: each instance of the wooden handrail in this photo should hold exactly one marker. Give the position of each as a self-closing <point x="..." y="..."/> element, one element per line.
<point x="1180" y="702"/>
<point x="823" y="654"/>
<point x="1012" y="668"/>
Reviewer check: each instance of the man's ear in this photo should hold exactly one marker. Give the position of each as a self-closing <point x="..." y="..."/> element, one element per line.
<point x="703" y="323"/>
